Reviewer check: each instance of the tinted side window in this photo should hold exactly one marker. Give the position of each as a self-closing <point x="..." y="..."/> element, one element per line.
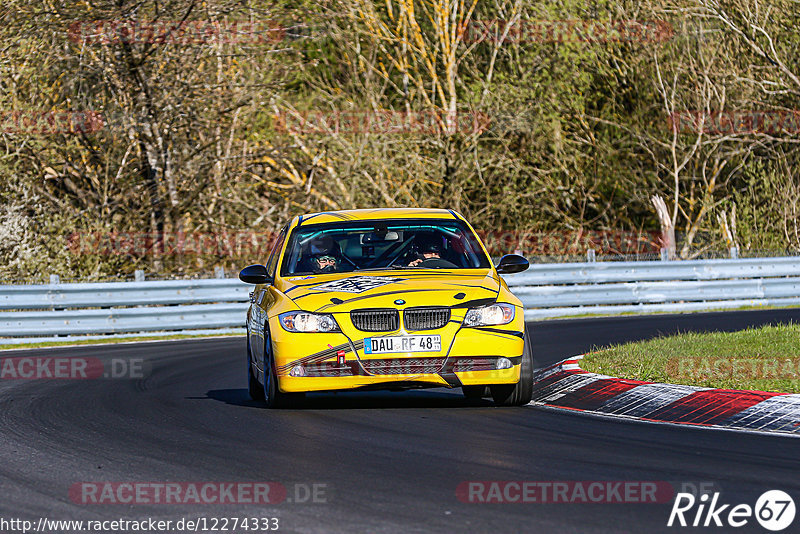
<point x="276" y="252"/>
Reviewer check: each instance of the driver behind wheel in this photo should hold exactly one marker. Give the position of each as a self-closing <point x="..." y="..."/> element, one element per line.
<point x="429" y="248"/>
<point x="324" y="255"/>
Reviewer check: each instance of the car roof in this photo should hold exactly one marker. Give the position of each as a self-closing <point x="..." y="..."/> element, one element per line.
<point x="376" y="214"/>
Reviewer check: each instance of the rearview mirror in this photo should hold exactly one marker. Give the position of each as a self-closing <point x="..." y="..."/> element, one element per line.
<point x="379" y="237"/>
<point x="255" y="274"/>
<point x="512" y="263"/>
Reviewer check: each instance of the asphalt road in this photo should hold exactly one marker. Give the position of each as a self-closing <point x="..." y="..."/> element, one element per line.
<point x="382" y="462"/>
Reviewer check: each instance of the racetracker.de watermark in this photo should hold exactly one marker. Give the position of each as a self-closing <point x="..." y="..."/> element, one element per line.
<point x="249" y="244"/>
<point x="704" y="368"/>
<point x="568" y="31"/>
<point x="573" y="242"/>
<point x="205" y="492"/>
<point x="565" y="491"/>
<point x="771" y="122"/>
<point x="382" y="122"/>
<point x="50" y="122"/>
<point x="186" y="32"/>
<point x="250" y="524"/>
<point x="233" y="244"/>
<point x="72" y="368"/>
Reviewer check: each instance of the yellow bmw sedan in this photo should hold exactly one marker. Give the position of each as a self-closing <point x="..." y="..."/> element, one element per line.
<point x="384" y="299"/>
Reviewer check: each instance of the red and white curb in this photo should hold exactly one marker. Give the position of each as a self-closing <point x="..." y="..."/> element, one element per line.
<point x="566" y="385"/>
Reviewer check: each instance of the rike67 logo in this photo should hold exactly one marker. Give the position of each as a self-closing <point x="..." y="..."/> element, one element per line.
<point x="774" y="510"/>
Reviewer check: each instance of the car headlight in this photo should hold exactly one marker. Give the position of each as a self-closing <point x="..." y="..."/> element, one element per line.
<point x="300" y="321"/>
<point x="495" y="314"/>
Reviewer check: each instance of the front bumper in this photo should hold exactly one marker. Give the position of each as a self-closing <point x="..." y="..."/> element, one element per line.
<point x="337" y="361"/>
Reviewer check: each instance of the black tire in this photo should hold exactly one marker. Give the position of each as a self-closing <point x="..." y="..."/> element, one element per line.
<point x="520" y="393"/>
<point x="273" y="396"/>
<point x="474" y="392"/>
<point x="254" y="387"/>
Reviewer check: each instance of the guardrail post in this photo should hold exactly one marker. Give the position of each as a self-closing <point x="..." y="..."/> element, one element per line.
<point x="138" y="275"/>
<point x="590" y="255"/>
<point x="734" y="253"/>
<point x="55" y="279"/>
<point x="664" y="254"/>
<point x="219" y="272"/>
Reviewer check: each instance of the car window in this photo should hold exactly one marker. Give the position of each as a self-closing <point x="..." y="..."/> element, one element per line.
<point x="372" y="245"/>
<point x="276" y="252"/>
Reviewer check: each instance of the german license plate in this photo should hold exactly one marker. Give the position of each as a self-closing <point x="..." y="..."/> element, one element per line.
<point x="383" y="345"/>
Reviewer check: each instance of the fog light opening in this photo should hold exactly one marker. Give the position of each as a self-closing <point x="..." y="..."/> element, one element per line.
<point x="503" y="363"/>
<point x="298" y="370"/>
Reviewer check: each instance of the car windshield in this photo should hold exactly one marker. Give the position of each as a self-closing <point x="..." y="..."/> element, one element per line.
<point x="374" y="245"/>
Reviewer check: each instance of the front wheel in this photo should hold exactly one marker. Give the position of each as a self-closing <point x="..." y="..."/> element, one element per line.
<point x="273" y="396"/>
<point x="520" y="393"/>
<point x="254" y="387"/>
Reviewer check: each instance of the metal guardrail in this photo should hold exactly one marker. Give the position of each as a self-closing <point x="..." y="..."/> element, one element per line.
<point x="546" y="290"/>
<point x="568" y="289"/>
<point x="173" y="306"/>
<point x="641" y="271"/>
<point x="138" y="319"/>
<point x="110" y="294"/>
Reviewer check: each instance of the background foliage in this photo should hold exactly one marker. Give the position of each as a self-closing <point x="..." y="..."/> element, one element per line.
<point x="575" y="135"/>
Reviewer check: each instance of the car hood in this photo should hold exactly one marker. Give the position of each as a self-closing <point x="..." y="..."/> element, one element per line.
<point x="344" y="292"/>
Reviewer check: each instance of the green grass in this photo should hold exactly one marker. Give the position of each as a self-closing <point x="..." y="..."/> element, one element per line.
<point x="110" y="340"/>
<point x="764" y="359"/>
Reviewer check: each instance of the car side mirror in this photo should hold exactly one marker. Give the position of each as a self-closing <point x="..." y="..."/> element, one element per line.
<point x="255" y="274"/>
<point x="512" y="263"/>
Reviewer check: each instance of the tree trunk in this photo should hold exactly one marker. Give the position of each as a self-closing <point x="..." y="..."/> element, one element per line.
<point x="667" y="227"/>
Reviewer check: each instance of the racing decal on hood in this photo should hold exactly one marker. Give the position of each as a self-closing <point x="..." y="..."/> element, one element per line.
<point x="356" y="284"/>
